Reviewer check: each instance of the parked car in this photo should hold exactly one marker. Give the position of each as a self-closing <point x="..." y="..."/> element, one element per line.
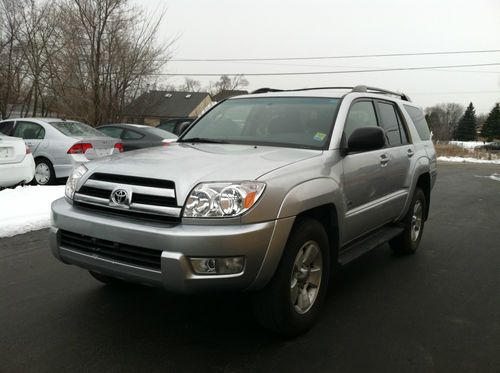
<point x="58" y="145"/>
<point x="136" y="136"/>
<point x="176" y="126"/>
<point x="491" y="146"/>
<point x="16" y="162"/>
<point x="265" y="193"/>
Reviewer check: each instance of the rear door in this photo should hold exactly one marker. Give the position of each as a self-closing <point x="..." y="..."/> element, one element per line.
<point x="32" y="133"/>
<point x="399" y="152"/>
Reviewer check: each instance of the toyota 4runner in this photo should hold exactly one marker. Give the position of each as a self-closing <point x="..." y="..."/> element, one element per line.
<point x="265" y="193"/>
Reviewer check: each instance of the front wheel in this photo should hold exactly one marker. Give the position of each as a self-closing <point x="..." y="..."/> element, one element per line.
<point x="290" y="304"/>
<point x="407" y="242"/>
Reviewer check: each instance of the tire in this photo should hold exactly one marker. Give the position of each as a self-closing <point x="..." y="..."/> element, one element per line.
<point x="408" y="241"/>
<point x="283" y="310"/>
<point x="108" y="280"/>
<point x="44" y="172"/>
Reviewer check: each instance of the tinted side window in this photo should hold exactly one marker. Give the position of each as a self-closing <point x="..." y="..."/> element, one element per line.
<point x="167" y="126"/>
<point x="418" y="118"/>
<point x="112" y="131"/>
<point x="391" y="122"/>
<point x="6" y="127"/>
<point x="131" y="135"/>
<point x="361" y="114"/>
<point x="29" y="131"/>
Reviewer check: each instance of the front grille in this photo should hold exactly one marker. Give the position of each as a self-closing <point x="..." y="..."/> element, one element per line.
<point x="95" y="192"/>
<point x="151" y="199"/>
<point x="128" y="254"/>
<point x="171" y="220"/>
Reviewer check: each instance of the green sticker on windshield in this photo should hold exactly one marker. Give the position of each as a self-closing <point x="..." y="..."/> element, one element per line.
<point x="319" y="136"/>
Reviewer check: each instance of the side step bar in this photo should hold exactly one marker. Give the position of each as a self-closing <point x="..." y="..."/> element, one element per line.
<point x="360" y="247"/>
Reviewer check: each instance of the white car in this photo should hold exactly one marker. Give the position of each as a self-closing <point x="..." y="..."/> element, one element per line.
<point x="17" y="165"/>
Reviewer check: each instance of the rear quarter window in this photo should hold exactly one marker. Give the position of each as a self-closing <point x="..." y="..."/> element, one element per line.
<point x="418" y="118"/>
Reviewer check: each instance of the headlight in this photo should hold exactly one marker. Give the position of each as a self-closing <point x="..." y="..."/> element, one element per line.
<point x="211" y="200"/>
<point x="73" y="179"/>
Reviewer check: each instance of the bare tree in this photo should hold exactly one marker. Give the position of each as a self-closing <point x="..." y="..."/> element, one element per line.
<point x="190" y="85"/>
<point x="226" y="83"/>
<point x="443" y="119"/>
<point x="12" y="75"/>
<point x="109" y="55"/>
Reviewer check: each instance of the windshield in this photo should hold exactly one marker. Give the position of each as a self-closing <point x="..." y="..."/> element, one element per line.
<point x="76" y="129"/>
<point x="303" y="122"/>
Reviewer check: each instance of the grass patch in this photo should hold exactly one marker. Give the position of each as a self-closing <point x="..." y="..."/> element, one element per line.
<point x="450" y="150"/>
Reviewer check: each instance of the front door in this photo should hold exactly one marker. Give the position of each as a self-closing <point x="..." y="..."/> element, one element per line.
<point x="32" y="134"/>
<point x="365" y="178"/>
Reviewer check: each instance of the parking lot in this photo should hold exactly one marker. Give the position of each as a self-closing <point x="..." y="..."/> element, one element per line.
<point x="438" y="310"/>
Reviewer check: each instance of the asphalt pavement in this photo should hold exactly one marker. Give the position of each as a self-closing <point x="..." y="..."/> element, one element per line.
<point x="436" y="311"/>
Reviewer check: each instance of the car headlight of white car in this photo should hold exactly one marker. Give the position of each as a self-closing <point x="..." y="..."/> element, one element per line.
<point x="73" y="180"/>
<point x="212" y="200"/>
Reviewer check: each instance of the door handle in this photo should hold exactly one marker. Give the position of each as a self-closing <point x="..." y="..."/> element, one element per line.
<point x="410" y="153"/>
<point x="384" y="159"/>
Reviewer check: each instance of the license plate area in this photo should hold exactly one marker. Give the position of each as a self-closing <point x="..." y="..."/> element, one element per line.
<point x="5" y="153"/>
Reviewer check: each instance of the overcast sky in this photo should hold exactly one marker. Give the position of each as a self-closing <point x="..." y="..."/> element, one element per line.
<point x="291" y="28"/>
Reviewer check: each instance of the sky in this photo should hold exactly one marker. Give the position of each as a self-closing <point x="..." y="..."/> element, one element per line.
<point x="290" y="28"/>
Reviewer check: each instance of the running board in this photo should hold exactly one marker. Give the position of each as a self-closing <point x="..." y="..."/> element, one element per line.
<point x="358" y="248"/>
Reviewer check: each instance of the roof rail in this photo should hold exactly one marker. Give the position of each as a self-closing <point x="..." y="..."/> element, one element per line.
<point x="364" y="88"/>
<point x="358" y="88"/>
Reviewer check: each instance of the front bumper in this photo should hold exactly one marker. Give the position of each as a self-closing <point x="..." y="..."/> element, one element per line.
<point x="261" y="244"/>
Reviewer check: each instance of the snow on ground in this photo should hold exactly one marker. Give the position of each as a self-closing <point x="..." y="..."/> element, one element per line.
<point x="27" y="208"/>
<point x="468" y="144"/>
<point x="468" y="160"/>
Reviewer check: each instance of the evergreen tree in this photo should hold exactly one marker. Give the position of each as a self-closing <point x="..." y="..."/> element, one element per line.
<point x="491" y="127"/>
<point x="466" y="129"/>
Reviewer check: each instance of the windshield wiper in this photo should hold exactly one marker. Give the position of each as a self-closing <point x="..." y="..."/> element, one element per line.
<point x="204" y="140"/>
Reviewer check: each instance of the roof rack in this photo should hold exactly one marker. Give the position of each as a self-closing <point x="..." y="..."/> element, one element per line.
<point x="358" y="88"/>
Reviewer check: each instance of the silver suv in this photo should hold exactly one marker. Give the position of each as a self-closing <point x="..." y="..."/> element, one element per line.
<point x="265" y="193"/>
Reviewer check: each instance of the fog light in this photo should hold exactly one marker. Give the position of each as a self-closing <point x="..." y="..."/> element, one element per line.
<point x="218" y="266"/>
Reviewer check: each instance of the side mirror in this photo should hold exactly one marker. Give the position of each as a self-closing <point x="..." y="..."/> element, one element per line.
<point x="181" y="128"/>
<point x="365" y="139"/>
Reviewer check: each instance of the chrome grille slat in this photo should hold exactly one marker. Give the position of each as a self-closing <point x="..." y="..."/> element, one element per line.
<point x="152" y="191"/>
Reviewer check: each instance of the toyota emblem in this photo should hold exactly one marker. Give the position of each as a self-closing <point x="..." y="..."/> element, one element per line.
<point x="120" y="197"/>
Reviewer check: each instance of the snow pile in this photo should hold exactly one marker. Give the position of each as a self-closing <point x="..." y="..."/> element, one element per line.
<point x="468" y="144"/>
<point x="468" y="160"/>
<point x="27" y="208"/>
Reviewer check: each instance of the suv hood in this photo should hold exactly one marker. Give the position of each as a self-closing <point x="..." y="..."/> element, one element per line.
<point x="189" y="164"/>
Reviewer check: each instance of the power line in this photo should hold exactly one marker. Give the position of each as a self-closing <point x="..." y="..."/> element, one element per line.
<point x="332" y="57"/>
<point x="330" y="72"/>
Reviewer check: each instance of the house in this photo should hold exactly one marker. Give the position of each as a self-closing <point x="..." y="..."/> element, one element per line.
<point x="226" y="93"/>
<point x="155" y="107"/>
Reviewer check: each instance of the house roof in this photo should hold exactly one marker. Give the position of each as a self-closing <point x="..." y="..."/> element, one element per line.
<point x="226" y="93"/>
<point x="165" y="104"/>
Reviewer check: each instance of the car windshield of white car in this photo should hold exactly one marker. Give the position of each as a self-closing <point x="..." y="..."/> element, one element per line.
<point x="76" y="129"/>
<point x="298" y="122"/>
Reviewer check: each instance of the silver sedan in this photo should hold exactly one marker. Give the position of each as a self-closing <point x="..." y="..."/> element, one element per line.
<point x="58" y="145"/>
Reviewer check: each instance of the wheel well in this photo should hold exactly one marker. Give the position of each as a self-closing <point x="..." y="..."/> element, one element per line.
<point x="42" y="157"/>
<point x="424" y="183"/>
<point x="327" y="216"/>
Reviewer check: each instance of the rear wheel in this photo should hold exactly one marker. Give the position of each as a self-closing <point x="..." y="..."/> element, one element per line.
<point x="290" y="304"/>
<point x="44" y="172"/>
<point x="407" y="242"/>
